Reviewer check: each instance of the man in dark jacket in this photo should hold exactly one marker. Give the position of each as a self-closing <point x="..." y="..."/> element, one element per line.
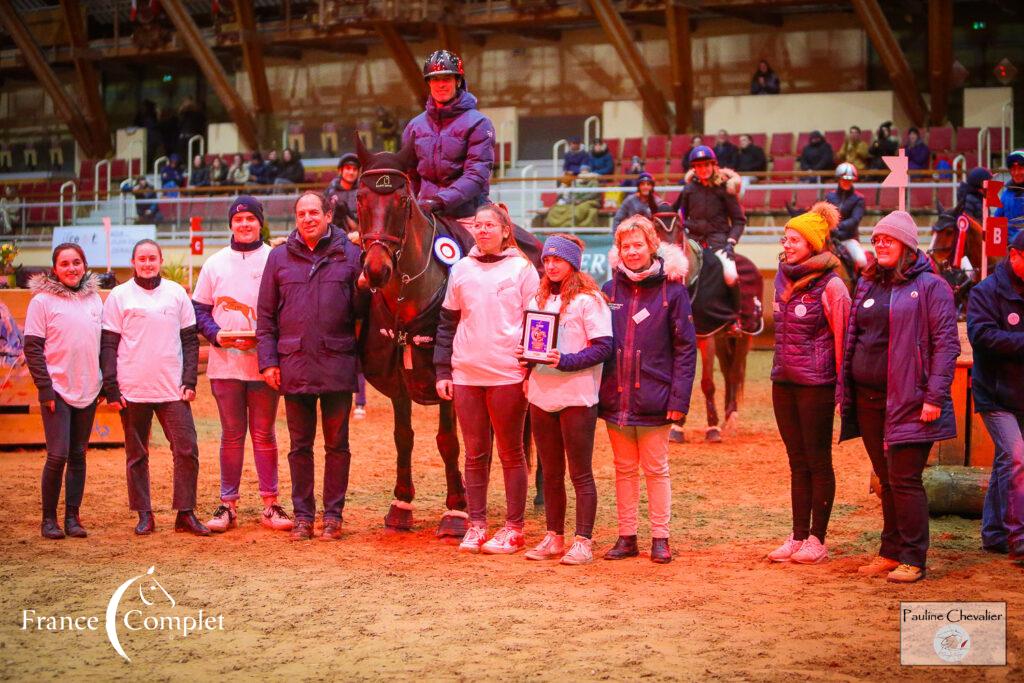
<point x="575" y="157"/>
<point x="341" y="192"/>
<point x="306" y="344"/>
<point x="817" y="155"/>
<point x="601" y="161"/>
<point x="726" y="152"/>
<point x="995" y="326"/>
<point x="750" y="158"/>
<point x="454" y="143"/>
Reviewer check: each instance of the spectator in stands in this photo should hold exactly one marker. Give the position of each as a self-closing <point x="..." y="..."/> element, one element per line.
<point x="291" y="170"/>
<point x="575" y="157"/>
<point x="764" y="81"/>
<point x="995" y="313"/>
<point x="884" y="145"/>
<point x="1012" y="196"/>
<point x="145" y="201"/>
<point x="240" y="172"/>
<point x="341" y="192"/>
<point x="636" y="167"/>
<point x="171" y="176"/>
<point x="271" y="168"/>
<point x="918" y="154"/>
<point x="750" y="158"/>
<point x="696" y="142"/>
<point x="644" y="201"/>
<point x="817" y="155"/>
<point x="587" y="178"/>
<point x="10" y="208"/>
<point x="218" y="172"/>
<point x="854" y="150"/>
<point x="257" y="170"/>
<point x="725" y="150"/>
<point x="601" y="161"/>
<point x="200" y="176"/>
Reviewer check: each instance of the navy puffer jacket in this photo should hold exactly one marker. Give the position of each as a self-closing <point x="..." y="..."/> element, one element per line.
<point x="995" y="326"/>
<point x="923" y="348"/>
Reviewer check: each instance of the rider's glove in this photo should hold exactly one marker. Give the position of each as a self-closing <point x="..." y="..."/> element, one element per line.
<point x="431" y="205"/>
<point x="730" y="247"/>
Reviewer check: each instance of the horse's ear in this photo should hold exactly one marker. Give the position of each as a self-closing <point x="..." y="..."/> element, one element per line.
<point x="361" y="151"/>
<point x="407" y="155"/>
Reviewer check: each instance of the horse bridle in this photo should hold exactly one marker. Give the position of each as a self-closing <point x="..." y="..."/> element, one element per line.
<point x="389" y="243"/>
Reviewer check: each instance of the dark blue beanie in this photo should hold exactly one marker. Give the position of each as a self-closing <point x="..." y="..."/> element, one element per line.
<point x="245" y="203"/>
<point x="1018" y="242"/>
<point x="567" y="250"/>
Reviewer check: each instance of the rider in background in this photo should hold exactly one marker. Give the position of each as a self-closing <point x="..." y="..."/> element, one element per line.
<point x="711" y="212"/>
<point x="454" y="144"/>
<point x="970" y="195"/>
<point x="851" y="210"/>
<point x="1012" y="196"/>
<point x="643" y="201"/>
<point x="341" y="192"/>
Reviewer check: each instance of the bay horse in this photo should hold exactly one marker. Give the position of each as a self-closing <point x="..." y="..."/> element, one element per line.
<point x="406" y="261"/>
<point x="950" y="243"/>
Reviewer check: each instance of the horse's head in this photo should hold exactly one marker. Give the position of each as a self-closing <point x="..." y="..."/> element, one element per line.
<point x="385" y="203"/>
<point x="668" y="225"/>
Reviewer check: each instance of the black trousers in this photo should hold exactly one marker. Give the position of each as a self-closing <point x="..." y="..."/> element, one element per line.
<point x="175" y="418"/>
<point x="67" y="431"/>
<point x="898" y="468"/>
<point x="567" y="437"/>
<point x="804" y="415"/>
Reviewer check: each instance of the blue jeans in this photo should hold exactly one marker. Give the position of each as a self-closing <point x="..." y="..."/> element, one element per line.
<point x="300" y="410"/>
<point x="67" y="431"/>
<point x="479" y="411"/>
<point x="243" y="405"/>
<point x="1002" y="518"/>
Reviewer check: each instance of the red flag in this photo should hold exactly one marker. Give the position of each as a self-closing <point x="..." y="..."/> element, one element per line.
<point x="197" y="245"/>
<point x="992" y="188"/>
<point x="995" y="236"/>
<point x="196" y="224"/>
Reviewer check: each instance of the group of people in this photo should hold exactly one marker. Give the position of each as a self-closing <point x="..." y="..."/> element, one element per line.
<point x="282" y="322"/>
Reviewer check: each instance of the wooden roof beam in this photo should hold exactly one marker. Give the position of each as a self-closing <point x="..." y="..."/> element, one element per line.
<point x="677" y="23"/>
<point x="88" y="80"/>
<point x="412" y="72"/>
<point x="252" y="57"/>
<point x="940" y="58"/>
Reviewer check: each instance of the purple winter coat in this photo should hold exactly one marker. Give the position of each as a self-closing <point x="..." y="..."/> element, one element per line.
<point x="306" y="314"/>
<point x="654" y="360"/>
<point x="923" y="348"/>
<point x="454" y="153"/>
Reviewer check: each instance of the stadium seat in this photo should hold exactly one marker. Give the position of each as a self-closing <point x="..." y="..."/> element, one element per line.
<point x="940" y="139"/>
<point x="759" y="139"/>
<point x="835" y="138"/>
<point x="755" y="199"/>
<point x="680" y="145"/>
<point x="118" y="168"/>
<point x="657" y="147"/>
<point x="777" y="199"/>
<point x="614" y="146"/>
<point x="921" y="198"/>
<point x="655" y="167"/>
<point x="801" y="142"/>
<point x="86" y="168"/>
<point x="966" y="140"/>
<point x="632" y="147"/>
<point x="783" y="164"/>
<point x="806" y="197"/>
<point x="886" y="199"/>
<point x="782" y="145"/>
<point x="945" y="196"/>
<point x="675" y="166"/>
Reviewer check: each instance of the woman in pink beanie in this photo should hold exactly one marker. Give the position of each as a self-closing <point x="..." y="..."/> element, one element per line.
<point x="901" y="350"/>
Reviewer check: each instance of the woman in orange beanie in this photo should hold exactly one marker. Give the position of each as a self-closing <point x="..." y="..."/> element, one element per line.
<point x="812" y="306"/>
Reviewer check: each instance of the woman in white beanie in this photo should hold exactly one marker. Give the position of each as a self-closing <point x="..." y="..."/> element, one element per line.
<point x="901" y="350"/>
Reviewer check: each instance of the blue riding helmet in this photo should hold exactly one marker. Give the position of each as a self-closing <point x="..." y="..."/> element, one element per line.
<point x="645" y="178"/>
<point x="702" y="153"/>
<point x="1015" y="157"/>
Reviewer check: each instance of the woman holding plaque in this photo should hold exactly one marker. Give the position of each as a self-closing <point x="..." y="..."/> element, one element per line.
<point x="481" y="325"/>
<point x="225" y="305"/>
<point x="563" y="395"/>
<point x="646" y="383"/>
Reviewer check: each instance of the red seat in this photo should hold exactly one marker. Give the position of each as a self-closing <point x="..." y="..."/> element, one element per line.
<point x="921" y="198"/>
<point x="778" y="198"/>
<point x="680" y="145"/>
<point x="782" y="144"/>
<point x="759" y="139"/>
<point x="632" y="147"/>
<point x="806" y="197"/>
<point x="940" y="139"/>
<point x="971" y="158"/>
<point x="51" y="215"/>
<point x="967" y="140"/>
<point x="945" y="197"/>
<point x="35" y="214"/>
<point x="548" y="199"/>
<point x="86" y="168"/>
<point x="755" y="199"/>
<point x="614" y="146"/>
<point x="655" y="167"/>
<point x="834" y="138"/>
<point x="657" y="147"/>
<point x="118" y="168"/>
<point x="675" y="166"/>
<point x="801" y="142"/>
<point x="887" y="199"/>
<point x="783" y="164"/>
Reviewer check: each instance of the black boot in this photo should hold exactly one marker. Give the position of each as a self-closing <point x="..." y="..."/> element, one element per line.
<point x="146" y="525"/>
<point x="72" y="524"/>
<point x="51" y="529"/>
<point x="623" y="548"/>
<point x="187" y="522"/>
<point x="660" y="553"/>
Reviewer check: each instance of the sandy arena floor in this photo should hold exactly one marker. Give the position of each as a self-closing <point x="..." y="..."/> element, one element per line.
<point x="404" y="606"/>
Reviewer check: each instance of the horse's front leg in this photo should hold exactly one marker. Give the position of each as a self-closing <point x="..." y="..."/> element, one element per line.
<point x="399" y="517"/>
<point x="732" y="356"/>
<point x="455" y="521"/>
<point x="706" y="346"/>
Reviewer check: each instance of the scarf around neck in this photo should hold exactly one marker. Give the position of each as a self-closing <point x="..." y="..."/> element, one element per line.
<point x="641" y="275"/>
<point x="799" y="276"/>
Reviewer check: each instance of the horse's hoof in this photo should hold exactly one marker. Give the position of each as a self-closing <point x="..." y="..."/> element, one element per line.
<point x="399" y="517"/>
<point x="713" y="435"/>
<point x="732" y="423"/>
<point x="538" y="500"/>
<point x="676" y="436"/>
<point x="454" y="525"/>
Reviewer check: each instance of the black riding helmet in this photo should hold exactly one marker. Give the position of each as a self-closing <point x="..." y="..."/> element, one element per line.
<point x="444" y="63"/>
<point x="349" y="158"/>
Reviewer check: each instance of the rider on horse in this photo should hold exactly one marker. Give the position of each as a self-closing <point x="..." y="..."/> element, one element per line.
<point x="453" y="141"/>
<point x="851" y="210"/>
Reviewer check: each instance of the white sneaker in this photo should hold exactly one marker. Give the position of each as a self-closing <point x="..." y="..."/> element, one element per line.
<point x="224" y="518"/>
<point x="359" y="413"/>
<point x="473" y="539"/>
<point x="505" y="542"/>
<point x="812" y="551"/>
<point x="274" y="517"/>
<point x="785" y="551"/>
<point x="581" y="552"/>
<point x="551" y="548"/>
